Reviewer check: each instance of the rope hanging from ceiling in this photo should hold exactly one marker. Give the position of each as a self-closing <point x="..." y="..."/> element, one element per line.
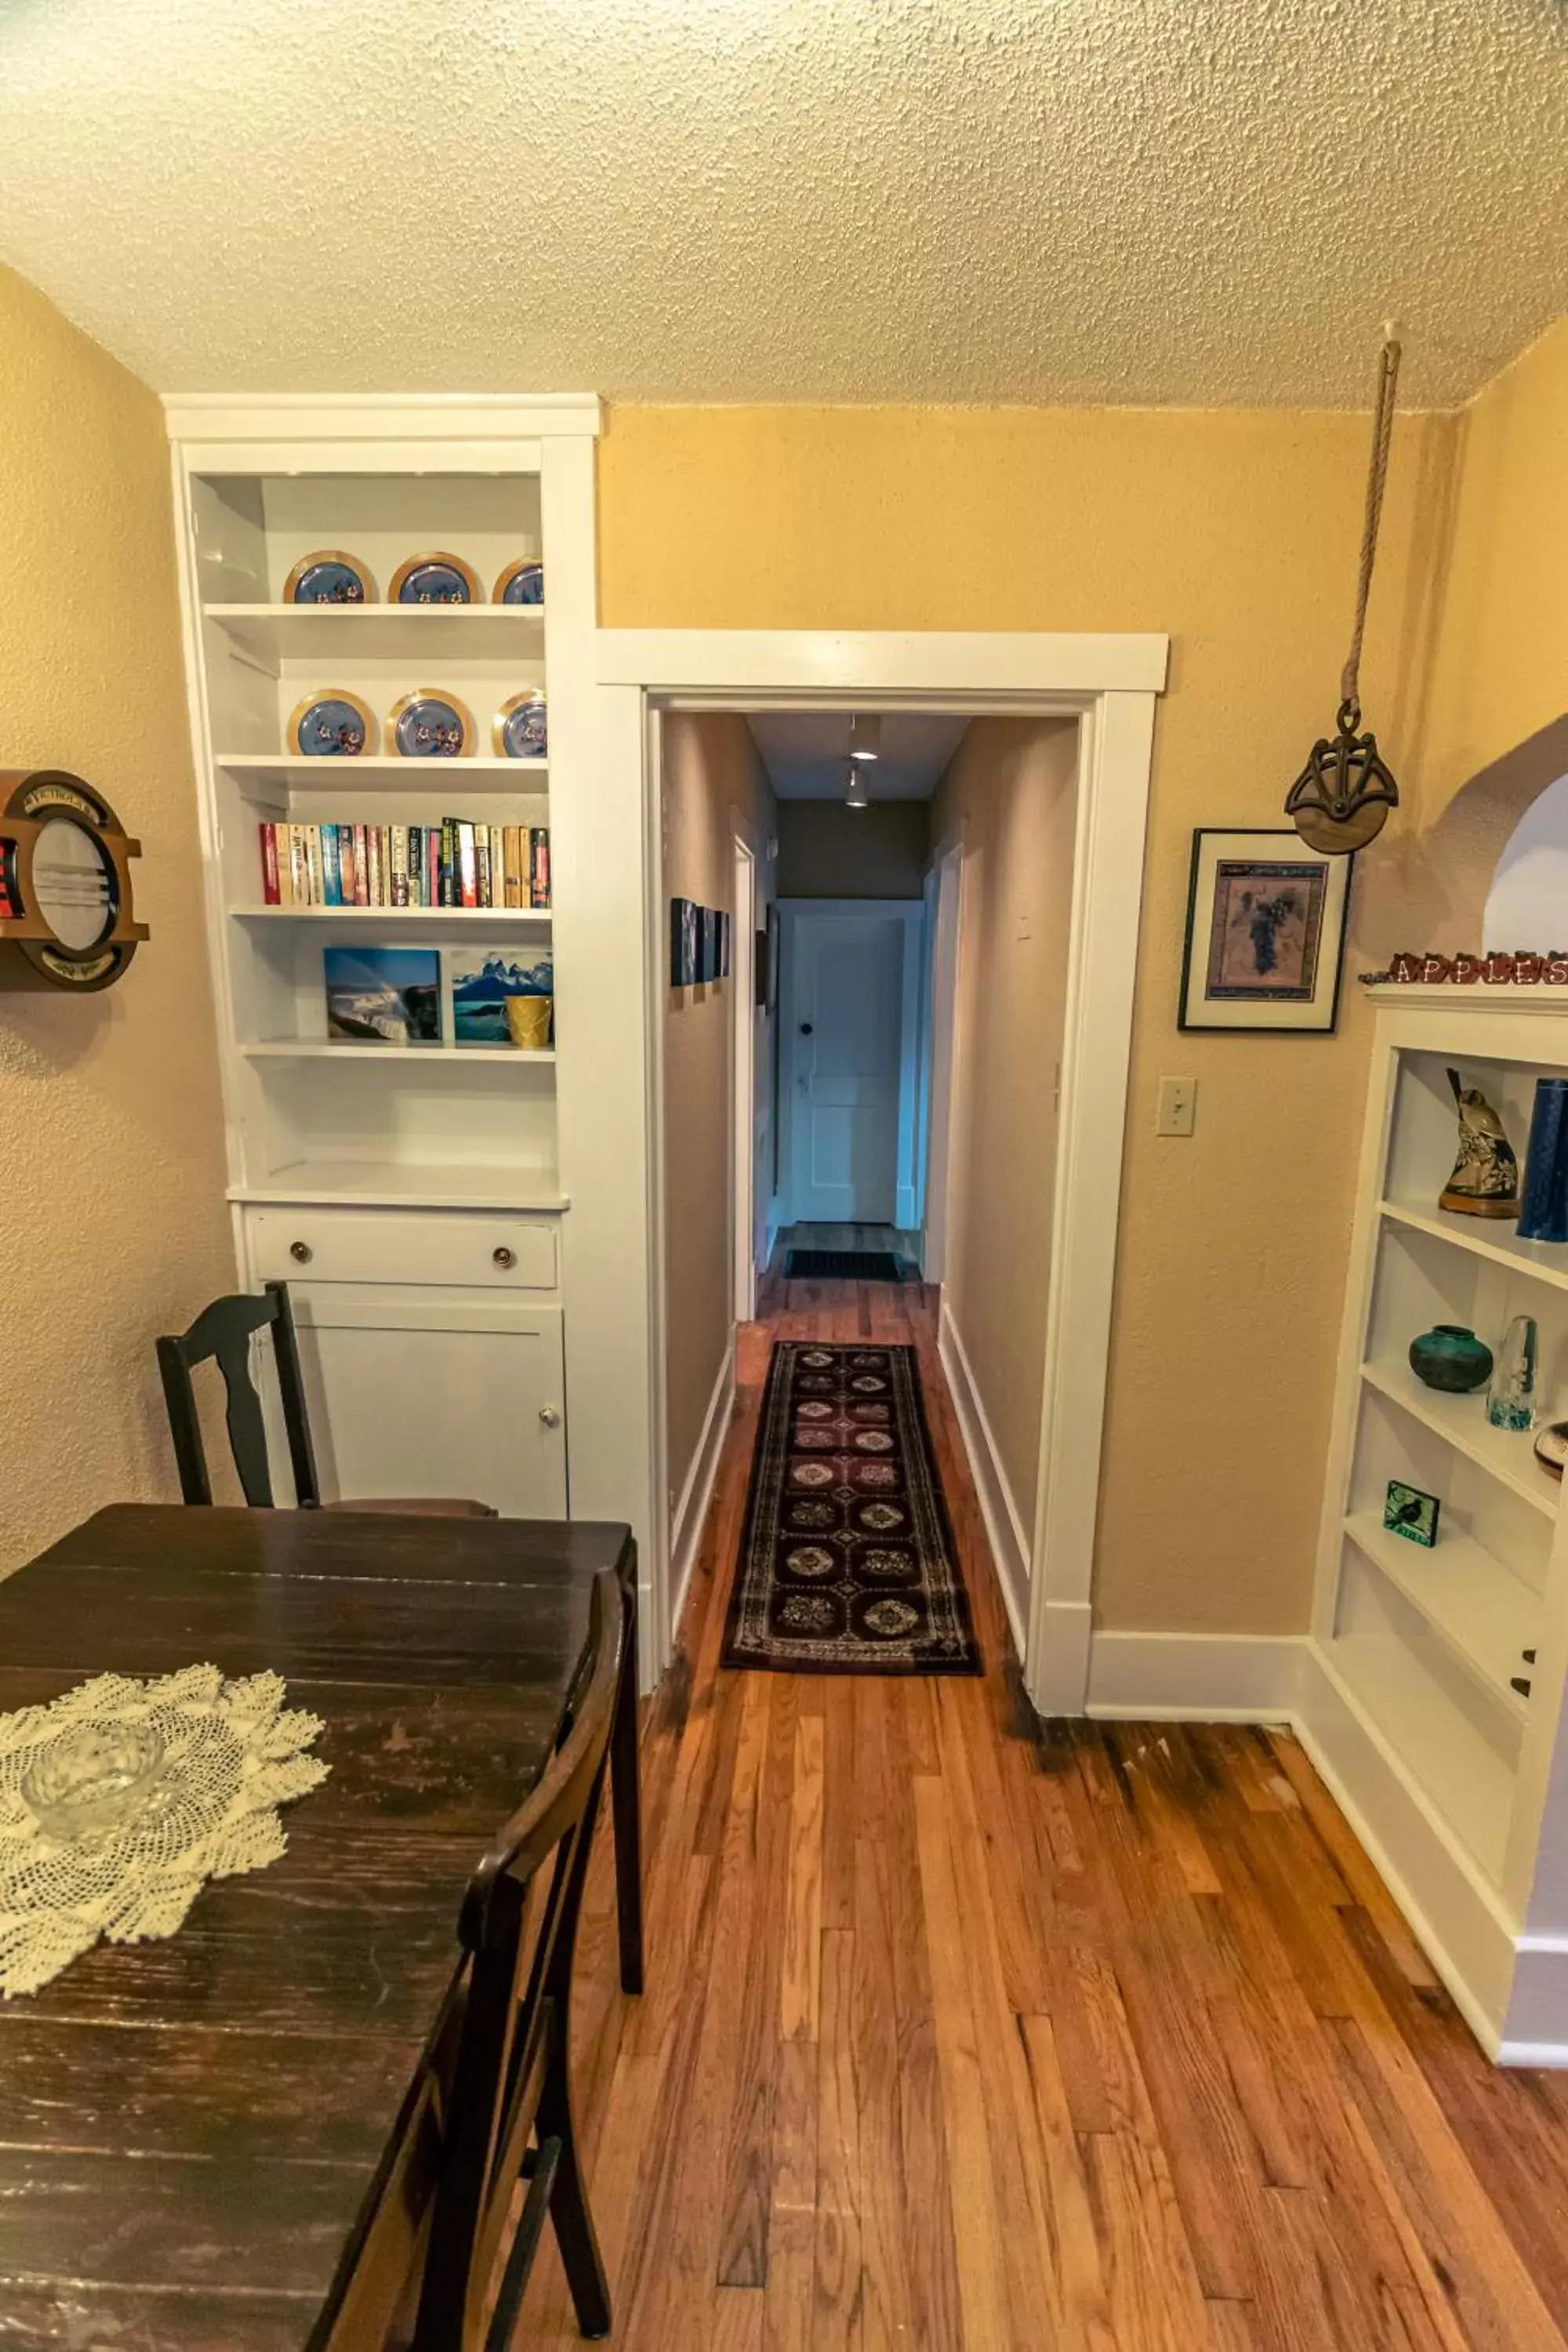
<point x="1341" y="798"/>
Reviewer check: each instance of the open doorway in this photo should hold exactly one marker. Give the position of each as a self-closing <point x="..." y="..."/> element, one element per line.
<point x="855" y="794"/>
<point x="1105" y="689"/>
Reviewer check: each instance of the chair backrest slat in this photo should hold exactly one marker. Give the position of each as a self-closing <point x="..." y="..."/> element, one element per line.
<point x="222" y="1334"/>
<point x="519" y="1925"/>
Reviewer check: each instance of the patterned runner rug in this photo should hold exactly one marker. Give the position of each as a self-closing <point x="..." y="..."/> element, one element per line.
<point x="848" y="1563"/>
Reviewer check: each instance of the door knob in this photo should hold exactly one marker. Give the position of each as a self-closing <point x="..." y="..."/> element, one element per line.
<point x="549" y="1416"/>
<point x="300" y="1251"/>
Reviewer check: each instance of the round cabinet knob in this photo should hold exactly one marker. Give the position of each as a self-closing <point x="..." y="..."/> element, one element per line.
<point x="549" y="1416"/>
<point x="301" y="1253"/>
<point x="503" y="1256"/>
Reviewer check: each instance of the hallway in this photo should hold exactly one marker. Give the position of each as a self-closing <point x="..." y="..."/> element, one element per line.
<point x="966" y="2035"/>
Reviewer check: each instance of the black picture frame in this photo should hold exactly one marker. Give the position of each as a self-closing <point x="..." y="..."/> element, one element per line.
<point x="722" y="971"/>
<point x="1229" y="949"/>
<point x="759" y="972"/>
<point x="682" y="943"/>
<point x="771" y="1002"/>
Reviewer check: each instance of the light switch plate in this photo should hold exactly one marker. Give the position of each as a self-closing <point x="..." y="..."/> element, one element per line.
<point x="1178" y="1106"/>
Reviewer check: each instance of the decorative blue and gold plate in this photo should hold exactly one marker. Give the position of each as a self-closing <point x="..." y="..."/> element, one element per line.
<point x="521" y="582"/>
<point x="520" y="732"/>
<point x="329" y="577"/>
<point x="437" y="579"/>
<point x="426" y="725"/>
<point x="331" y="725"/>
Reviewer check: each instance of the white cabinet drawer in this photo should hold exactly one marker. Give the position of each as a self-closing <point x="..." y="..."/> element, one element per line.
<point x="479" y="1252"/>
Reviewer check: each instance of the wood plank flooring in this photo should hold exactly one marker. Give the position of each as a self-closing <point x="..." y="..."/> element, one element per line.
<point x="974" y="2035"/>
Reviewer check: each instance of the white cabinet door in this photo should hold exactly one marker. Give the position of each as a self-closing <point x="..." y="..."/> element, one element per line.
<point x="414" y="1392"/>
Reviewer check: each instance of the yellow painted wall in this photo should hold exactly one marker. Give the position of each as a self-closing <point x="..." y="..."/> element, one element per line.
<point x="1500" y="672"/>
<point x="112" y="1177"/>
<point x="1236" y="532"/>
<point x="713" y="786"/>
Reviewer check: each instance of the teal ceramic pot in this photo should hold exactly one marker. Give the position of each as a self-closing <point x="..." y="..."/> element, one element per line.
<point x="1449" y="1356"/>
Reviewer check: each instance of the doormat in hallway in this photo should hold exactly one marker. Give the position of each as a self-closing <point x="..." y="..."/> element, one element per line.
<point x="848" y="1563"/>
<point x="842" y="1265"/>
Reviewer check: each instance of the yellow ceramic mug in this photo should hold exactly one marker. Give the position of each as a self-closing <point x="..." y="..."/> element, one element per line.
<point x="527" y="1018"/>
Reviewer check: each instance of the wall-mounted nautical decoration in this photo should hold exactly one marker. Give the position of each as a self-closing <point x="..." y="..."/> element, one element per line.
<point x="1341" y="798"/>
<point x="67" y="919"/>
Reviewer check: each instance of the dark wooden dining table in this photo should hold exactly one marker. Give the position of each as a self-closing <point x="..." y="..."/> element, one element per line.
<point x="198" y="2132"/>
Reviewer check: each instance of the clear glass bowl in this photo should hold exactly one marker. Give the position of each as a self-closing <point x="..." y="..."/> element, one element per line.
<point x="93" y="1778"/>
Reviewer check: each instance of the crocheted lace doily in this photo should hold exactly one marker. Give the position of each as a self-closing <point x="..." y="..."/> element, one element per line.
<point x="233" y="1754"/>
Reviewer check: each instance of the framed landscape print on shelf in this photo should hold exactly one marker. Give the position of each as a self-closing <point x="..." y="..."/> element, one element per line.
<point x="1266" y="933"/>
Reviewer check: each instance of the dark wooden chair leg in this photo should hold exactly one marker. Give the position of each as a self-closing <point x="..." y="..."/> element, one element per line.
<point x="626" y="1805"/>
<point x="580" y="2257"/>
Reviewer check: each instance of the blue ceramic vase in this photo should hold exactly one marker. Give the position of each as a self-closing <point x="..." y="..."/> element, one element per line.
<point x="1450" y="1357"/>
<point x="1543" y="1210"/>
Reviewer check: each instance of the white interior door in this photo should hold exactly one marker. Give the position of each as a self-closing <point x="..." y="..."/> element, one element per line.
<point x="844" y="987"/>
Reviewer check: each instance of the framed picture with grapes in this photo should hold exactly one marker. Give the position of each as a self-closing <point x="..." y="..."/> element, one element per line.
<point x="1266" y="933"/>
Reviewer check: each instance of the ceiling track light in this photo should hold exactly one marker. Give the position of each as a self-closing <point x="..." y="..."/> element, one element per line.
<point x="865" y="735"/>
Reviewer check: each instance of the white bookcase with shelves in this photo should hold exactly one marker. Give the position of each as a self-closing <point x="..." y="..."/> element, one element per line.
<point x="1435" y="1689"/>
<point x="458" y="1306"/>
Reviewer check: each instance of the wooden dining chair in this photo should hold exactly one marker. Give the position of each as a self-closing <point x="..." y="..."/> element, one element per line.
<point x="507" y="2102"/>
<point x="222" y="1334"/>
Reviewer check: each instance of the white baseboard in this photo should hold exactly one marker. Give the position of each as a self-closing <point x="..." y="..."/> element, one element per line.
<point x="697" y="1493"/>
<point x="1068" y="1634"/>
<point x="1196" y="1677"/>
<point x="1004" y="1527"/>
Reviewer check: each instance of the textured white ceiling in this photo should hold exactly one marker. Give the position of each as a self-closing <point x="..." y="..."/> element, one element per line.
<point x="806" y="753"/>
<point x="1190" y="201"/>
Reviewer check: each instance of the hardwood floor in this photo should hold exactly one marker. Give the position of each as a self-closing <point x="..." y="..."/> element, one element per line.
<point x="976" y="2035"/>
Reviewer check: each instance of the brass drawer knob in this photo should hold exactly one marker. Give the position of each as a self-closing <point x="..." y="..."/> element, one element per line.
<point x="301" y="1253"/>
<point x="503" y="1256"/>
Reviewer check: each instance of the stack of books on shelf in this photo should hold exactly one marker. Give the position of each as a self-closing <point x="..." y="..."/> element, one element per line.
<point x="453" y="864"/>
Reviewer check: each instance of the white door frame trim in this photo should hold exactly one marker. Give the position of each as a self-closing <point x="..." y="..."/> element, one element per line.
<point x="1110" y="684"/>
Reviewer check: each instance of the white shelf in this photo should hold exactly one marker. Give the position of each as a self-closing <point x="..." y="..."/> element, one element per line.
<point x="383" y="632"/>
<point x="502" y="916"/>
<point x="1487" y="1238"/>
<point x="383" y="771"/>
<point x="1480" y="1612"/>
<point x="1506" y="1454"/>
<point x="444" y="1056"/>
<point x="393" y="1184"/>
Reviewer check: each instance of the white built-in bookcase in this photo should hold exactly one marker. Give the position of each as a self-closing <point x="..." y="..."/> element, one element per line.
<point x="312" y="1118"/>
<point x="464" y="1229"/>
<point x="1453" y="1775"/>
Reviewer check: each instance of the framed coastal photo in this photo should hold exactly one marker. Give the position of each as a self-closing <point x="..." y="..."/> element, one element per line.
<point x="1266" y="933"/>
<point x="384" y="996"/>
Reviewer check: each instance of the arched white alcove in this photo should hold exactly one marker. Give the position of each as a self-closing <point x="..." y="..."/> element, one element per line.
<point x="1527" y="905"/>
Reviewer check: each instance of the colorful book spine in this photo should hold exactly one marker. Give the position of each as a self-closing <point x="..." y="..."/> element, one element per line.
<point x="455" y="862"/>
